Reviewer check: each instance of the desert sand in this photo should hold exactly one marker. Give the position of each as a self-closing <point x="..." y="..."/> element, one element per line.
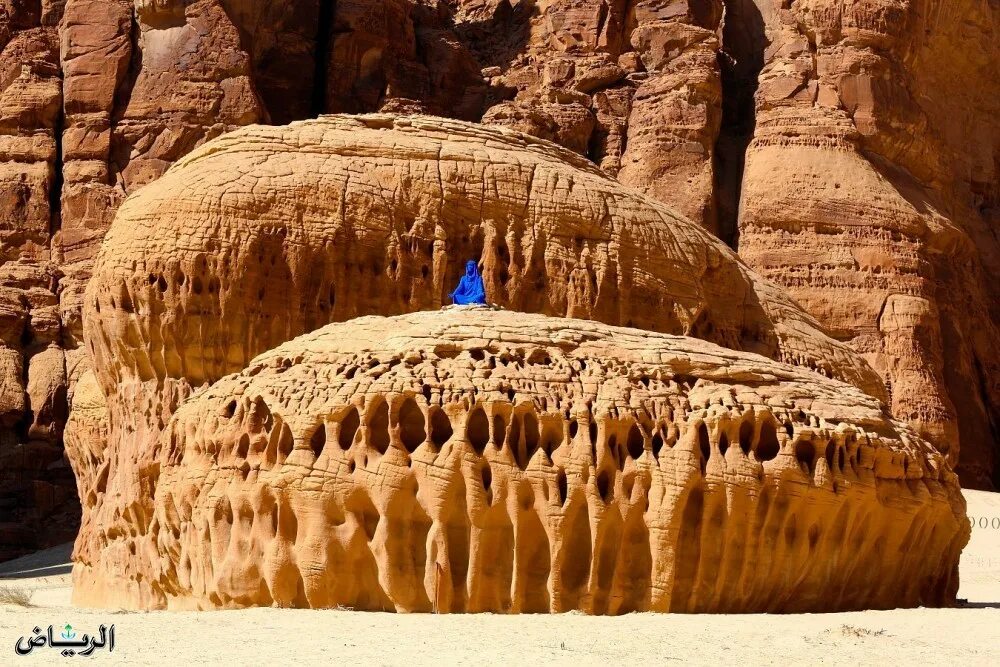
<point x="969" y="635"/>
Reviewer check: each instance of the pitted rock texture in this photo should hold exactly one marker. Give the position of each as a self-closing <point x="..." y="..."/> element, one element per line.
<point x="269" y="233"/>
<point x="472" y="459"/>
<point x="100" y="97"/>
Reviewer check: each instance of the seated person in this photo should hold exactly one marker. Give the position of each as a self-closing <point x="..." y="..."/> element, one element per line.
<point x="470" y="288"/>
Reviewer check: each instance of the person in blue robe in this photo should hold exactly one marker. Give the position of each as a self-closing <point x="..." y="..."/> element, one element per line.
<point x="470" y="288"/>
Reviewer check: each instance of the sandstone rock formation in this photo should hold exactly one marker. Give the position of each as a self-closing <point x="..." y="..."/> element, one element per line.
<point x="268" y="233"/>
<point x="481" y="460"/>
<point x="95" y="101"/>
<point x="871" y="171"/>
<point x="32" y="371"/>
<point x="871" y="192"/>
<point x="99" y="97"/>
<point x="635" y="86"/>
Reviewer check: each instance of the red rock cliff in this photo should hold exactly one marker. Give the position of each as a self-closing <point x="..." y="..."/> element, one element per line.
<point x="847" y="149"/>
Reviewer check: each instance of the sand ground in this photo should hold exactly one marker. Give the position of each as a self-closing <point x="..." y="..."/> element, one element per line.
<point x="966" y="635"/>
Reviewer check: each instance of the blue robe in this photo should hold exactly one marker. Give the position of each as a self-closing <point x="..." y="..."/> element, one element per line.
<point x="470" y="288"/>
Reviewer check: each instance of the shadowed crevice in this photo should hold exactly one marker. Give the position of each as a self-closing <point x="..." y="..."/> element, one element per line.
<point x="324" y="34"/>
<point x="740" y="61"/>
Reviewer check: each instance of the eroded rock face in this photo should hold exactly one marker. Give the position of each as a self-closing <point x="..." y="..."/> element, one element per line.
<point x="869" y="194"/>
<point x="35" y="479"/>
<point x="97" y="98"/>
<point x="269" y="233"/>
<point x="634" y="86"/>
<point x="32" y="407"/>
<point x="100" y="97"/>
<point x="480" y="460"/>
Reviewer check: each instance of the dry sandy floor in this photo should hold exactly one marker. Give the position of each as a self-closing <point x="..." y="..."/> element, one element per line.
<point x="962" y="636"/>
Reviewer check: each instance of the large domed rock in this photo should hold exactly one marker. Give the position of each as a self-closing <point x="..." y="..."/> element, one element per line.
<point x="870" y="172"/>
<point x="268" y="233"/>
<point x="479" y="460"/>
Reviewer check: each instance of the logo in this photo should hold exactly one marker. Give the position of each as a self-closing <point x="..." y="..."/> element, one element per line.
<point x="67" y="641"/>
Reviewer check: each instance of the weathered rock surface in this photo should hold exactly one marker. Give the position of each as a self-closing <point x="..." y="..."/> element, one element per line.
<point x="95" y="101"/>
<point x="634" y="86"/>
<point x="871" y="192"/>
<point x="99" y="97"/>
<point x="270" y="232"/>
<point x="36" y="482"/>
<point x="480" y="460"/>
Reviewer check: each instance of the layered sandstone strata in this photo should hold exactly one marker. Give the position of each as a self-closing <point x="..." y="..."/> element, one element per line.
<point x="480" y="460"/>
<point x="634" y="86"/>
<point x="870" y="192"/>
<point x="269" y="233"/>
<point x="99" y="97"/>
<point x="33" y="476"/>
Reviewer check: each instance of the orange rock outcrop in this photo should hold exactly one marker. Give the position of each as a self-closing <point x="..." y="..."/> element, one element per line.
<point x="845" y="149"/>
<point x="480" y="460"/>
<point x="870" y="193"/>
<point x="269" y="233"/>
